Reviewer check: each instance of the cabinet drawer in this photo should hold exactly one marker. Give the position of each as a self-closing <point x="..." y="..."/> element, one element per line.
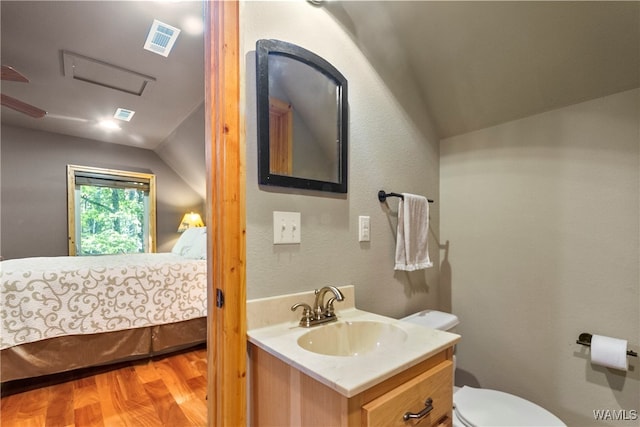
<point x="388" y="410"/>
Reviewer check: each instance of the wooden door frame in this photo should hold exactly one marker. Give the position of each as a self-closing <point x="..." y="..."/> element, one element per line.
<point x="226" y="331"/>
<point x="280" y="137"/>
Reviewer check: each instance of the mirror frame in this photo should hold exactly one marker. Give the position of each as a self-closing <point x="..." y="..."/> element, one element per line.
<point x="264" y="48"/>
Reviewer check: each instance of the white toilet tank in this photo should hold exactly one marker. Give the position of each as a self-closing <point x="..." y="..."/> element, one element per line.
<point x="484" y="407"/>
<point x="434" y="319"/>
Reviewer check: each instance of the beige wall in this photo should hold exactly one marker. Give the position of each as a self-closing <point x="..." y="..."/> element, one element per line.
<point x="387" y="151"/>
<point x="33" y="199"/>
<point x="184" y="151"/>
<point x="541" y="215"/>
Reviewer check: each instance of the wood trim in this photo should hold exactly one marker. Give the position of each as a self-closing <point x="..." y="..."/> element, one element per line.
<point x="280" y="137"/>
<point x="226" y="217"/>
<point x="71" y="217"/>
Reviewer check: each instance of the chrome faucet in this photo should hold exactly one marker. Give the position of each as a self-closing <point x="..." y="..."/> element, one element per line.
<point x="320" y="313"/>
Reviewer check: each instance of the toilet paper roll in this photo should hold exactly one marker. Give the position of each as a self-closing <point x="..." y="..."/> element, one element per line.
<point x="609" y="352"/>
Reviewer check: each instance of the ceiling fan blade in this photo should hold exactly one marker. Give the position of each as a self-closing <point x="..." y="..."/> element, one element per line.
<point x="11" y="74"/>
<point x="22" y="107"/>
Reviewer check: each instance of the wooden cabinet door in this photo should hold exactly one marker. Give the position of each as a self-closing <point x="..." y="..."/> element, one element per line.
<point x="388" y="410"/>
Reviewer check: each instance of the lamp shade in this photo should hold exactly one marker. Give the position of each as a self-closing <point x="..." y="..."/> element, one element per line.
<point x="189" y="220"/>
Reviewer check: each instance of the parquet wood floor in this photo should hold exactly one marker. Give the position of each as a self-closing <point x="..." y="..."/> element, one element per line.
<point x="165" y="391"/>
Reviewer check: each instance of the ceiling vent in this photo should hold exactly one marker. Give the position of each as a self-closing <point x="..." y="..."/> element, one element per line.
<point x="161" y="38"/>
<point x="124" y="114"/>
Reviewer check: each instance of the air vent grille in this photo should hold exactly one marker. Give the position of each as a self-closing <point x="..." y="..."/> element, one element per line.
<point x="161" y="38"/>
<point x="124" y="114"/>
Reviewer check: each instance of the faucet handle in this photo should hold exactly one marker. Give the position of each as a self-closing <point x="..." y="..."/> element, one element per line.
<point x="306" y="308"/>
<point x="307" y="313"/>
<point x="329" y="310"/>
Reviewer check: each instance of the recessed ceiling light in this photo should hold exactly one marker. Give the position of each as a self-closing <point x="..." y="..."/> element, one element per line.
<point x="123" y="114"/>
<point x="161" y="38"/>
<point x="193" y="25"/>
<point x="109" y="125"/>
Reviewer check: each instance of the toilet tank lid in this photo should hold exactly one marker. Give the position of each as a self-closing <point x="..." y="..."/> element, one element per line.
<point x="434" y="319"/>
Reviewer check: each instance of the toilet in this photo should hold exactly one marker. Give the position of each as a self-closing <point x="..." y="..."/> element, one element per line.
<point x="484" y="407"/>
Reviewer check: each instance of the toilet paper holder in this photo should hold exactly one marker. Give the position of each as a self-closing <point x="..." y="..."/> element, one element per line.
<point x="585" y="339"/>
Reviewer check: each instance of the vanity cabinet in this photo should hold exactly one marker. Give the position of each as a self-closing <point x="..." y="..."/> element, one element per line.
<point x="429" y="392"/>
<point x="282" y="395"/>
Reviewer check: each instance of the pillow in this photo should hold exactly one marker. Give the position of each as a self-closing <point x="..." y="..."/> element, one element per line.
<point x="198" y="247"/>
<point x="188" y="239"/>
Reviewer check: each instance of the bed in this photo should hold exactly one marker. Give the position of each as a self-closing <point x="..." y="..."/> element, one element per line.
<point x="64" y="313"/>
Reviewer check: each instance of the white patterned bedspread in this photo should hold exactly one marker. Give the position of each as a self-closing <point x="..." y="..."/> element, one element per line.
<point x="54" y="296"/>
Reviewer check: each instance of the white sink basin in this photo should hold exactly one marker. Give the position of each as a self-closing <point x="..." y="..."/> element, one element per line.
<point x="351" y="355"/>
<point x="352" y="338"/>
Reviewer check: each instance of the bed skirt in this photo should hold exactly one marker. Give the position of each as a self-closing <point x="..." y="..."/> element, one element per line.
<point x="62" y="354"/>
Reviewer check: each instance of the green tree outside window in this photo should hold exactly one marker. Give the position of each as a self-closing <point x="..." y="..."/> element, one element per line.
<point x="111" y="220"/>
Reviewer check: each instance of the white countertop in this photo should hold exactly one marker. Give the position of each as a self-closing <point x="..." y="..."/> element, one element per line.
<point x="350" y="375"/>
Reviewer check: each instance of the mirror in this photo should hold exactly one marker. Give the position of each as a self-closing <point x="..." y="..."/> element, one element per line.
<point x="302" y="119"/>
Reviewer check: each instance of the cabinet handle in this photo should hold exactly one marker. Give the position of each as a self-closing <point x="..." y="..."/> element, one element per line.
<point x="428" y="407"/>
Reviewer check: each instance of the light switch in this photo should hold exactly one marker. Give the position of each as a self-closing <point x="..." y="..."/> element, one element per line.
<point x="364" y="229"/>
<point x="286" y="228"/>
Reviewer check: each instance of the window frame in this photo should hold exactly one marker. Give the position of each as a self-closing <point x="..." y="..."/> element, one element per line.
<point x="71" y="200"/>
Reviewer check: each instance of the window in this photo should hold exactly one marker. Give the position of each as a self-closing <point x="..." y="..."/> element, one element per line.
<point x="110" y="211"/>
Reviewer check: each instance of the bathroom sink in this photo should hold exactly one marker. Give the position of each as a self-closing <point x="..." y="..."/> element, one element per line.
<point x="352" y="338"/>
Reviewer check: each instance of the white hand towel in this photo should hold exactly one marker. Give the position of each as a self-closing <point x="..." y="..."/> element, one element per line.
<point x="412" y="249"/>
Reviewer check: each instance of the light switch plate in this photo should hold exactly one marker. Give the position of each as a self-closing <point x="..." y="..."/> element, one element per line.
<point x="364" y="229"/>
<point x="286" y="228"/>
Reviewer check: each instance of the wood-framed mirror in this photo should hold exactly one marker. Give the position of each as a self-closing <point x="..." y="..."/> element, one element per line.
<point x="302" y="103"/>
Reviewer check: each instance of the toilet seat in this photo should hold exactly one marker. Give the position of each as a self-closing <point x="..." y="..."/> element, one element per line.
<point x="476" y="407"/>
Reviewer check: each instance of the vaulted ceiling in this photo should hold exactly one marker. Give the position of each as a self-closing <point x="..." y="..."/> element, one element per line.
<point x="474" y="64"/>
<point x="467" y="65"/>
<point x="105" y="40"/>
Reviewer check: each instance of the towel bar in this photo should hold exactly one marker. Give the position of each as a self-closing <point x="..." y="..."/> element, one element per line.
<point x="585" y="339"/>
<point x="382" y="196"/>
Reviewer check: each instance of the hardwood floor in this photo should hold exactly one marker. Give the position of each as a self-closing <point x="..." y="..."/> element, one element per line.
<point x="164" y="391"/>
